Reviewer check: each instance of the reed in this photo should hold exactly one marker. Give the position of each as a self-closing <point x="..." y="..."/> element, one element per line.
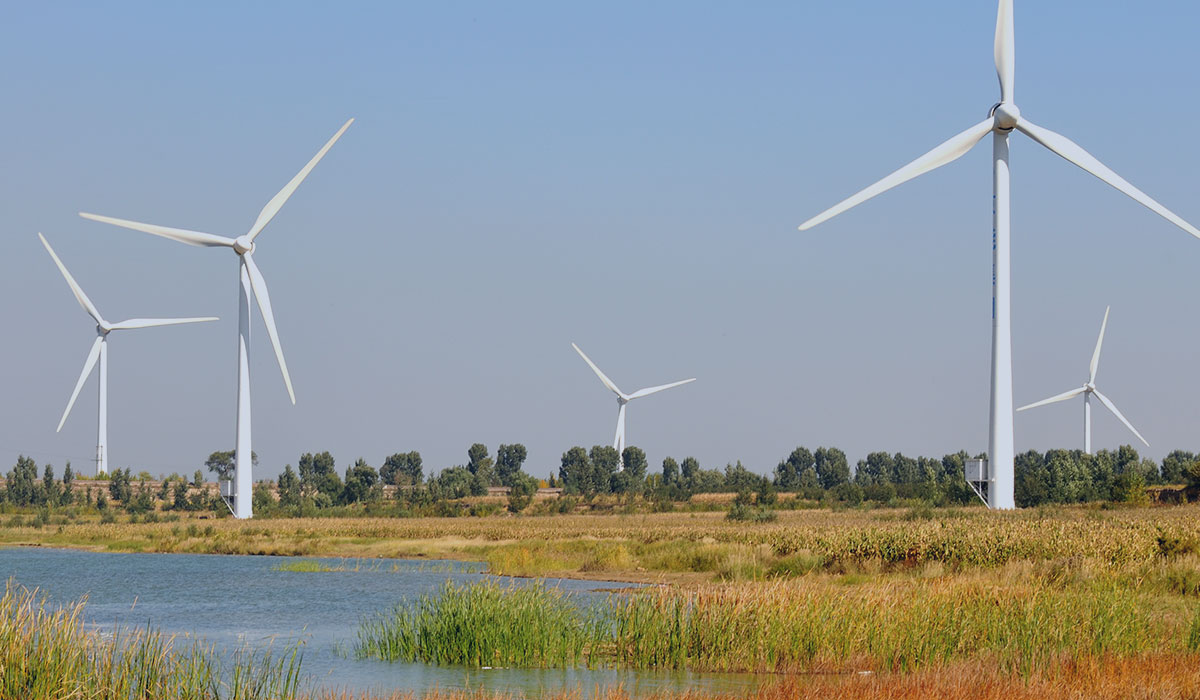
<point x="46" y="653"/>
<point x="780" y="627"/>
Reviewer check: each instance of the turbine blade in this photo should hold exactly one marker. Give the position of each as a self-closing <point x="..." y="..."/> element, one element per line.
<point x="1109" y="405"/>
<point x="607" y="382"/>
<point x="1099" y="341"/>
<point x="1071" y="151"/>
<point x="655" y="389"/>
<point x="88" y="365"/>
<point x="1055" y="399"/>
<point x="945" y="153"/>
<point x="1005" y="50"/>
<point x="272" y="208"/>
<point x="150" y="322"/>
<point x="204" y="240"/>
<point x="264" y="305"/>
<point x="82" y="298"/>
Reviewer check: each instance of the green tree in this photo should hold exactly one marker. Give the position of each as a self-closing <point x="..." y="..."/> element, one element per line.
<point x="877" y="468"/>
<point x="521" y="491"/>
<point x="198" y="479"/>
<point x="670" y="472"/>
<point x="509" y="459"/>
<point x="22" y="482"/>
<point x="832" y="467"/>
<point x="180" y="500"/>
<point x="1175" y="466"/>
<point x="50" y="493"/>
<point x="689" y="470"/>
<point x="319" y="477"/>
<point x="262" y="499"/>
<point x="289" y="488"/>
<point x="403" y="469"/>
<point x="605" y="462"/>
<point x="739" y="478"/>
<point x="120" y="486"/>
<point x="787" y="473"/>
<point x="453" y="483"/>
<point x="68" y="493"/>
<point x="480" y="464"/>
<point x="359" y="480"/>
<point x="632" y="477"/>
<point x="575" y="471"/>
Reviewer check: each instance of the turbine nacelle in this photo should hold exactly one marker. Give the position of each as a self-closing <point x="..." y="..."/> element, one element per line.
<point x="1005" y="116"/>
<point x="243" y="244"/>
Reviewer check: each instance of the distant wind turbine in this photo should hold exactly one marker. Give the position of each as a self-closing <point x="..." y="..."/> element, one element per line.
<point x="1003" y="118"/>
<point x="623" y="398"/>
<point x="99" y="355"/>
<point x="250" y="285"/>
<point x="1087" y="390"/>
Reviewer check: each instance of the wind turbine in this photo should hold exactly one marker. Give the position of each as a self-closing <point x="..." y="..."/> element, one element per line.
<point x="623" y="398"/>
<point x="251" y="283"/>
<point x="99" y="355"/>
<point x="1002" y="119"/>
<point x="1087" y="390"/>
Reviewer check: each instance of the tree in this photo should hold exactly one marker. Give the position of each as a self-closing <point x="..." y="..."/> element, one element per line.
<point x="480" y="464"/>
<point x="180" y="500"/>
<point x="509" y="459"/>
<point x="402" y="469"/>
<point x="198" y="479"/>
<point x="670" y="472"/>
<point x="575" y="471"/>
<point x="877" y="468"/>
<point x="22" y="482"/>
<point x="832" y="467"/>
<point x="689" y="469"/>
<point x="262" y="500"/>
<point x="787" y="473"/>
<point x="521" y="491"/>
<point x="1175" y="466"/>
<point x="318" y="476"/>
<point x="632" y="477"/>
<point x="119" y="486"/>
<point x="221" y="463"/>
<point x="605" y="462"/>
<point x="359" y="480"/>
<point x="68" y="493"/>
<point x="452" y="483"/>
<point x="289" y="488"/>
<point x="49" y="486"/>
<point x="739" y="478"/>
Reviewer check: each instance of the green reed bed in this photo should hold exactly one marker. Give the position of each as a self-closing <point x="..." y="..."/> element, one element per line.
<point x="46" y="653"/>
<point x="775" y="627"/>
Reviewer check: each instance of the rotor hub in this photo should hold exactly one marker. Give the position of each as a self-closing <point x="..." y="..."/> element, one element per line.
<point x="1005" y="116"/>
<point x="243" y="245"/>
<point x="1090" y="387"/>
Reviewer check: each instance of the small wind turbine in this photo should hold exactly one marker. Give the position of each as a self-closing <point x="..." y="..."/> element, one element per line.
<point x="99" y="355"/>
<point x="250" y="284"/>
<point x="1001" y="120"/>
<point x="623" y="398"/>
<point x="1087" y="390"/>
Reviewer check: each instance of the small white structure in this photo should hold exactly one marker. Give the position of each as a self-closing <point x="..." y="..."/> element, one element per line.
<point x="623" y="398"/>
<point x="1088" y="390"/>
<point x="250" y="284"/>
<point x="1001" y="120"/>
<point x="99" y="355"/>
<point x="975" y="470"/>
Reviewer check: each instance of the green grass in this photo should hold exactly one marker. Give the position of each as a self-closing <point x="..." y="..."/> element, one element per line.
<point x="780" y="627"/>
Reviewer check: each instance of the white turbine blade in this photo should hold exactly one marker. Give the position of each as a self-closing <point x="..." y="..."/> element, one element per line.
<point x="655" y="389"/>
<point x="946" y="153"/>
<point x="88" y="365"/>
<point x="607" y="382"/>
<point x="1109" y="404"/>
<point x="1099" y="341"/>
<point x="272" y="208"/>
<point x="1005" y="50"/>
<point x="264" y="305"/>
<point x="1071" y="151"/>
<point x="197" y="238"/>
<point x="82" y="298"/>
<point x="1055" y="399"/>
<point x="150" y="322"/>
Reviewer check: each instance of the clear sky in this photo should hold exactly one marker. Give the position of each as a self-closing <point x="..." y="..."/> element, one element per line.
<point x="627" y="176"/>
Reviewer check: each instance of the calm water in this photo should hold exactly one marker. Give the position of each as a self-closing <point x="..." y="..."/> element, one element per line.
<point x="232" y="601"/>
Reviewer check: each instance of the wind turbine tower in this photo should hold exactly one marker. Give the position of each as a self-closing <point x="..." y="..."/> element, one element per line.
<point x="1002" y="119"/>
<point x="250" y="285"/>
<point x="98" y="355"/>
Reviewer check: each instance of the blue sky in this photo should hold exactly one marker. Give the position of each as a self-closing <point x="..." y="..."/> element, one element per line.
<point x="627" y="176"/>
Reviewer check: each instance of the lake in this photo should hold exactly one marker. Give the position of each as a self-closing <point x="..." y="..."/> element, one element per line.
<point x="235" y="601"/>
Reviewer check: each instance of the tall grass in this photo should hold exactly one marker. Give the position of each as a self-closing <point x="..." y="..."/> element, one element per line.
<point x="46" y="653"/>
<point x="484" y="624"/>
<point x="775" y="627"/>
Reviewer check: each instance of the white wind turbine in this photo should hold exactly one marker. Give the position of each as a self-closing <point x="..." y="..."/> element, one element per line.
<point x="1003" y="118"/>
<point x="623" y="398"/>
<point x="251" y="284"/>
<point x="99" y="355"/>
<point x="1087" y="390"/>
